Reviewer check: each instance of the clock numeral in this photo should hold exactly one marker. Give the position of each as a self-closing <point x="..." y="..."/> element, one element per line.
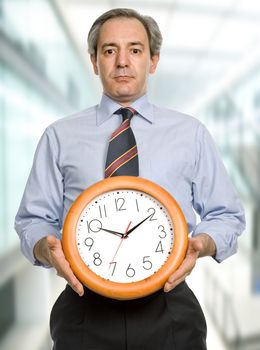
<point x="114" y="267"/>
<point x="94" y="225"/>
<point x="97" y="261"/>
<point x="159" y="248"/>
<point x="147" y="264"/>
<point x="163" y="234"/>
<point x="89" y="242"/>
<point x="137" y="206"/>
<point x="102" y="211"/>
<point x="130" y="272"/>
<point x="152" y="215"/>
<point x="120" y="202"/>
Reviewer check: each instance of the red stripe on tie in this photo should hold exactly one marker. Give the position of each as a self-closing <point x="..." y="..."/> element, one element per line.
<point x="124" y="126"/>
<point x="120" y="161"/>
<point x="131" y="109"/>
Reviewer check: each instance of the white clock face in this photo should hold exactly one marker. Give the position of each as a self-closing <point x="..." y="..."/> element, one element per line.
<point x="124" y="236"/>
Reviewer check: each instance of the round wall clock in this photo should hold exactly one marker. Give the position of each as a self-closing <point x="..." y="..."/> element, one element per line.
<point x="124" y="236"/>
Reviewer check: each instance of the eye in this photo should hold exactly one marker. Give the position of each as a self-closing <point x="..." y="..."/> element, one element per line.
<point x="136" y="51"/>
<point x="109" y="52"/>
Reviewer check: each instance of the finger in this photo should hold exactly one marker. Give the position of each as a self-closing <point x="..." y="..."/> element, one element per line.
<point x="64" y="270"/>
<point x="75" y="285"/>
<point x="171" y="285"/>
<point x="52" y="242"/>
<point x="185" y="268"/>
<point x="176" y="278"/>
<point x="62" y="266"/>
<point x="181" y="273"/>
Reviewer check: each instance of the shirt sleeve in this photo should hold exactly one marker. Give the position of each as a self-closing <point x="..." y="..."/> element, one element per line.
<point x="40" y="211"/>
<point x="214" y="198"/>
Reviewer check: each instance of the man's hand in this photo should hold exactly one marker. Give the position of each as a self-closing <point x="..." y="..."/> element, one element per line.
<point x="49" y="251"/>
<point x="198" y="246"/>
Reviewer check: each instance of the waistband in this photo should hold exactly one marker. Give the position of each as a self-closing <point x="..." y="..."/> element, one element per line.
<point x="99" y="298"/>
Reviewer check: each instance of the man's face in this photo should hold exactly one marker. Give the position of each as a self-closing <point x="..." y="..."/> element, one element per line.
<point x="123" y="59"/>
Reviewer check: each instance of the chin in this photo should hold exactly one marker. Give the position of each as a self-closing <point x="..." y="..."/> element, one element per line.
<point x="127" y="97"/>
<point x="123" y="94"/>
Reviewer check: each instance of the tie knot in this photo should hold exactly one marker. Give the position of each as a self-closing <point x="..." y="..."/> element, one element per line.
<point x="127" y="113"/>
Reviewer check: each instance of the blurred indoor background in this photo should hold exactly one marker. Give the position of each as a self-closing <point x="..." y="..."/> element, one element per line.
<point x="210" y="68"/>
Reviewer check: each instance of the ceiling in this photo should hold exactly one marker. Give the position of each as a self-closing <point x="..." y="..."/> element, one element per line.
<point x="204" y="41"/>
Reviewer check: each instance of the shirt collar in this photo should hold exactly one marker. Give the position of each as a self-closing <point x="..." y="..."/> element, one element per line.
<point x="108" y="107"/>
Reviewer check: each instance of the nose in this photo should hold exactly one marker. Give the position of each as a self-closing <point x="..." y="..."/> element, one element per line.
<point x="122" y="59"/>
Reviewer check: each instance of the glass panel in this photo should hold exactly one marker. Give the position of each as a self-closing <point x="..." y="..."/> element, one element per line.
<point x="43" y="78"/>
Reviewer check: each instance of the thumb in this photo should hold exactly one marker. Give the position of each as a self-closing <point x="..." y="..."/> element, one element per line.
<point x="203" y="244"/>
<point x="196" y="244"/>
<point x="195" y="247"/>
<point x="53" y="243"/>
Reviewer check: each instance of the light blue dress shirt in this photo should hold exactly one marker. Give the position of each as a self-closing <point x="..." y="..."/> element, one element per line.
<point x="175" y="151"/>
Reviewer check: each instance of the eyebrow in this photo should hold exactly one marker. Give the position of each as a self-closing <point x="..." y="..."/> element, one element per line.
<point x="135" y="43"/>
<point x="132" y="43"/>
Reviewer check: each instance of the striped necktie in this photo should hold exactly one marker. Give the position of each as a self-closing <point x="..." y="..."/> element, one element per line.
<point x="122" y="157"/>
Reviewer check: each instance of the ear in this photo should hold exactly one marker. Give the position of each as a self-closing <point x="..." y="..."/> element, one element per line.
<point x="93" y="59"/>
<point x="154" y="62"/>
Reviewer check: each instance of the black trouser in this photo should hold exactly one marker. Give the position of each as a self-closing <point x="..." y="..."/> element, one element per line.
<point x="162" y="321"/>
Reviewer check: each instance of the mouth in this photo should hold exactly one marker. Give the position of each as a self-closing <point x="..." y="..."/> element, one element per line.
<point x="122" y="77"/>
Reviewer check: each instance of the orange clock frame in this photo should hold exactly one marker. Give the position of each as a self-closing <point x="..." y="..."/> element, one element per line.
<point x="116" y="290"/>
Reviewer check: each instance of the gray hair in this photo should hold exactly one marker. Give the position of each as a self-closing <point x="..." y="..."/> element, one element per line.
<point x="151" y="27"/>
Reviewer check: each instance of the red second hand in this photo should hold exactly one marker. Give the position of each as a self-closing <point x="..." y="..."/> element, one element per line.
<point x="121" y="241"/>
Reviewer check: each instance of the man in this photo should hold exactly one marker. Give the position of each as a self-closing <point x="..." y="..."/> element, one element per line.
<point x="174" y="151"/>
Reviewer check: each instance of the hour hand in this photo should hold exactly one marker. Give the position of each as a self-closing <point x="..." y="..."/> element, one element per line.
<point x="113" y="232"/>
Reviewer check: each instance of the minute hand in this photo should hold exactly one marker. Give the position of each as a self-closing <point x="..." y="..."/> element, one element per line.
<point x="133" y="228"/>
